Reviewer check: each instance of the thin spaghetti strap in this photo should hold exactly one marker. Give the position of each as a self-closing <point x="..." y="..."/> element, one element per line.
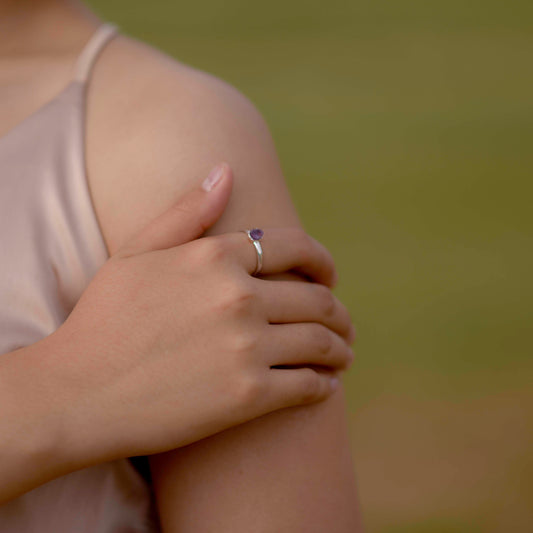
<point x="88" y="55"/>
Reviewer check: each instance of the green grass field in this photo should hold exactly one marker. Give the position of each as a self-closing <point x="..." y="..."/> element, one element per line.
<point x="405" y="131"/>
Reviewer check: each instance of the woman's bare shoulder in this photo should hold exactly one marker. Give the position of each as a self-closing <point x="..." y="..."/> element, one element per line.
<point x="155" y="125"/>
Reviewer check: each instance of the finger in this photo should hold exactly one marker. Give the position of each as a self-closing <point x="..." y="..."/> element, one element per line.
<point x="288" y="248"/>
<point x="300" y="386"/>
<point x="188" y="218"/>
<point x="307" y="343"/>
<point x="287" y="301"/>
<point x="353" y="334"/>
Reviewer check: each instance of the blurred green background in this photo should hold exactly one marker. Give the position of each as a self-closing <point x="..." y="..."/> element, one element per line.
<point x="405" y="133"/>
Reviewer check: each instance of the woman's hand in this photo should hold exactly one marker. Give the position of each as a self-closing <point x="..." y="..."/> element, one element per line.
<point x="174" y="339"/>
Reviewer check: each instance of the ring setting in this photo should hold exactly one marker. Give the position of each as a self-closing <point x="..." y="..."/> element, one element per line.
<point x="255" y="235"/>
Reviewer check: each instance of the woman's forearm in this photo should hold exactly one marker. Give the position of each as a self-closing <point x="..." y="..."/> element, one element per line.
<point x="34" y="416"/>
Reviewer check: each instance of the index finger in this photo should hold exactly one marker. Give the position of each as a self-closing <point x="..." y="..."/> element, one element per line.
<point x="288" y="248"/>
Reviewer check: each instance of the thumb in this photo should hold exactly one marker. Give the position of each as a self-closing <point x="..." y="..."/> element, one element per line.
<point x="188" y="218"/>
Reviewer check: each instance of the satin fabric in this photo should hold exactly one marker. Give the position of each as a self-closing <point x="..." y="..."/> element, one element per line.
<point x="51" y="245"/>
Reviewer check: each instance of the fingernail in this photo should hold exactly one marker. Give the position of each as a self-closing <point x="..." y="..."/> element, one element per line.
<point x="214" y="177"/>
<point x="334" y="383"/>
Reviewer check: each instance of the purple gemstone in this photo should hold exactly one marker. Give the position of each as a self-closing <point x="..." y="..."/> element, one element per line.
<point x="256" y="234"/>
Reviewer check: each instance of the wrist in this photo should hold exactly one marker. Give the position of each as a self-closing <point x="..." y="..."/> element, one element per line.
<point x="79" y="419"/>
<point x="33" y="420"/>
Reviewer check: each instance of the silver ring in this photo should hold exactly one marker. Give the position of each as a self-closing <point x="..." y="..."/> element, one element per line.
<point x="254" y="235"/>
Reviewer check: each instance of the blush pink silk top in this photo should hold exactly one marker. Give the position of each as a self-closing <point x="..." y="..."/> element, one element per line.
<point x="51" y="246"/>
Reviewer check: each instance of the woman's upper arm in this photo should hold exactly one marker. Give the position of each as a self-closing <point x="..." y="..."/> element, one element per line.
<point x="288" y="471"/>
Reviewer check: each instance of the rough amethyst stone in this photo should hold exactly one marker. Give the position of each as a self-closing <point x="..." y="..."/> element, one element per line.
<point x="256" y="234"/>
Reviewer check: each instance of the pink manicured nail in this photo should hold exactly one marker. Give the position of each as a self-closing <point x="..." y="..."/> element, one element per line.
<point x="213" y="178"/>
<point x="334" y="382"/>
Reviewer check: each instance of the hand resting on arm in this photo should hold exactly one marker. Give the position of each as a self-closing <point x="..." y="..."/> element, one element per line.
<point x="161" y="350"/>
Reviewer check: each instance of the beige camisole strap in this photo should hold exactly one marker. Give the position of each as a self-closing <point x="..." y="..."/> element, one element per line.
<point x="87" y="58"/>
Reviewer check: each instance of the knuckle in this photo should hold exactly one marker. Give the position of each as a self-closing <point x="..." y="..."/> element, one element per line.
<point x="212" y="250"/>
<point x="239" y="299"/>
<point x="310" y="385"/>
<point x="344" y="319"/>
<point x="184" y="207"/>
<point x="304" y="245"/>
<point x="327" y="300"/>
<point x="298" y="239"/>
<point x="249" y="389"/>
<point x="187" y="208"/>
<point x="345" y="311"/>
<point x="245" y="343"/>
<point x="323" y="339"/>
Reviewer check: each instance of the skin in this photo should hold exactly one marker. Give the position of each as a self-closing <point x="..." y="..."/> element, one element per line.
<point x="288" y="471"/>
<point x="130" y="372"/>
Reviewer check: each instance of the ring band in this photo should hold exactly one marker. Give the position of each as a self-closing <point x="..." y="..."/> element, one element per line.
<point x="255" y="235"/>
